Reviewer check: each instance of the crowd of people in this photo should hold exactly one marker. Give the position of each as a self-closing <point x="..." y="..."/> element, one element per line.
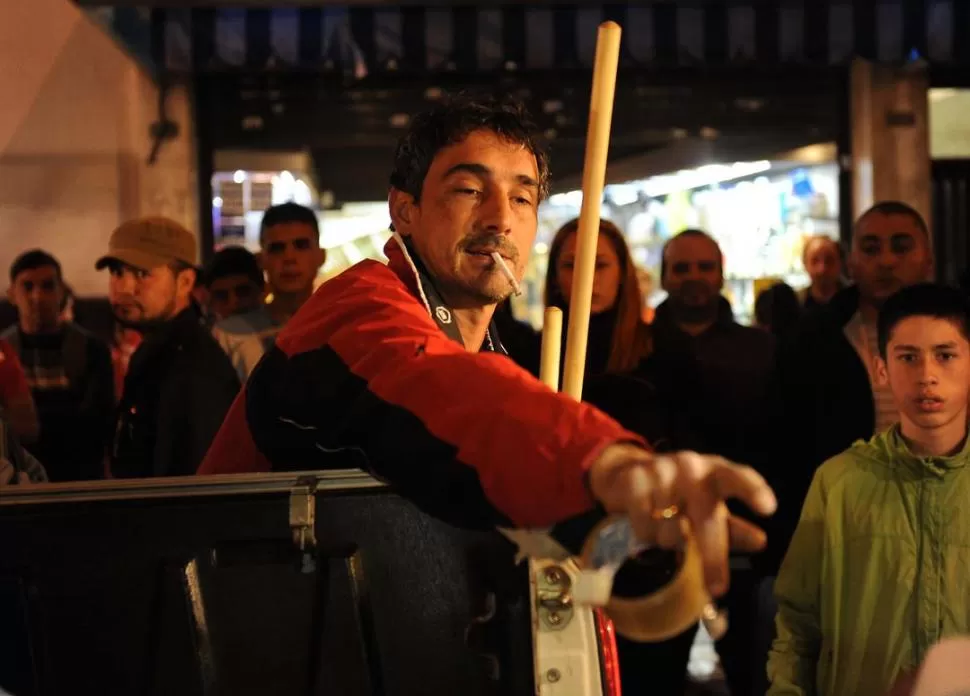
<point x="148" y="399"/>
<point x="849" y="398"/>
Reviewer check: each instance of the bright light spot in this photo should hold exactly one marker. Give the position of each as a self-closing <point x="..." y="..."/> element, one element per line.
<point x="706" y="175"/>
<point x="301" y="193"/>
<point x="217" y="202"/>
<point x="622" y="194"/>
<point x="939" y="94"/>
<point x="572" y="199"/>
<point x="239" y="176"/>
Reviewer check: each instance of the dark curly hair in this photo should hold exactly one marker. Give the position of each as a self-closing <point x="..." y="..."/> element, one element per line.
<point x="923" y="300"/>
<point x="449" y="122"/>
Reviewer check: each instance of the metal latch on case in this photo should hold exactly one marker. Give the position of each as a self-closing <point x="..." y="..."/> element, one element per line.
<point x="303" y="506"/>
<point x="555" y="603"/>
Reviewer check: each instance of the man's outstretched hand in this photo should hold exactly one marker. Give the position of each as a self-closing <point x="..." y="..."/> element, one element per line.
<point x="656" y="491"/>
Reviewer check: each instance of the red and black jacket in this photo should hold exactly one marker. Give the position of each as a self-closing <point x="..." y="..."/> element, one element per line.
<point x="371" y="373"/>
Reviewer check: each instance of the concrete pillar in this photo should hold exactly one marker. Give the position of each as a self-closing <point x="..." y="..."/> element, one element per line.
<point x="890" y="136"/>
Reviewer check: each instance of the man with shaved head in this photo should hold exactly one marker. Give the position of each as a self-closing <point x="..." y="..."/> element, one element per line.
<point x="827" y="369"/>
<point x="826" y="372"/>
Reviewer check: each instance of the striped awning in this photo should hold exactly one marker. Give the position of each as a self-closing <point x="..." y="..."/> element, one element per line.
<point x="495" y="38"/>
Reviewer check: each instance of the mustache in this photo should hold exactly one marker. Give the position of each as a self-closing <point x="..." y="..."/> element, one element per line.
<point x="490" y="242"/>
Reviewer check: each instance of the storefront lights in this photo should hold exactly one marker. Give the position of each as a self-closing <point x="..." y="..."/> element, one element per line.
<point x="708" y="175"/>
<point x="666" y="184"/>
<point x="572" y="199"/>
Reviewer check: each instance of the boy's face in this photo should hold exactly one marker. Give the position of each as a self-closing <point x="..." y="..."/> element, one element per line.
<point x="38" y="294"/>
<point x="291" y="256"/>
<point x="234" y="294"/>
<point x="927" y="366"/>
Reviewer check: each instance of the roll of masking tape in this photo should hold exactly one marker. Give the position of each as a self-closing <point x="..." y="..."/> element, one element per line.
<point x="661" y="615"/>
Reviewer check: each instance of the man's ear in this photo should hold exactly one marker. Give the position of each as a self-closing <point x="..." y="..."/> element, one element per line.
<point x="882" y="372"/>
<point x="185" y="281"/>
<point x="403" y="209"/>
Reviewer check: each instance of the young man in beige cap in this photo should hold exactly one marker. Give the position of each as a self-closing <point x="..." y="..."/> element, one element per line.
<point x="179" y="383"/>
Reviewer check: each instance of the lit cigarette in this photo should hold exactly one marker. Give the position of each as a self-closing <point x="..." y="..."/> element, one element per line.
<point x="500" y="262"/>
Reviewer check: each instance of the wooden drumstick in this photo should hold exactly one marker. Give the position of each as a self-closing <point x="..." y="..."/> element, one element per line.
<point x="551" y="348"/>
<point x="685" y="600"/>
<point x="594" y="175"/>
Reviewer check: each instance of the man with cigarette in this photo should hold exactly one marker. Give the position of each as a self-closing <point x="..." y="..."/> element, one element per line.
<point x="398" y="368"/>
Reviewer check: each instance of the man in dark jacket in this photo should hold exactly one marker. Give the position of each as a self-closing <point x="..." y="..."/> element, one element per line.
<point x="729" y="410"/>
<point x="179" y="383"/>
<point x="733" y="362"/>
<point x="826" y="369"/>
<point x="398" y="368"/>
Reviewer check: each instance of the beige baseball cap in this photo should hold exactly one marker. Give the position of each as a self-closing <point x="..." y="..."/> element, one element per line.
<point x="150" y="242"/>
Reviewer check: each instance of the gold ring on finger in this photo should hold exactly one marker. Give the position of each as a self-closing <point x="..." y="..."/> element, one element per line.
<point x="668" y="513"/>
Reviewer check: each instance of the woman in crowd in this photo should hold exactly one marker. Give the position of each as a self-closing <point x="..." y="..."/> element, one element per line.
<point x="648" y="393"/>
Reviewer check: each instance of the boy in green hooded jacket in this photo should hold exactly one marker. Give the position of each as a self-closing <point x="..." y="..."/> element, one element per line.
<point x="879" y="567"/>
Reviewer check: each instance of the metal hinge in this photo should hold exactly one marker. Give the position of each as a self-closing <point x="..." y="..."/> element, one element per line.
<point x="303" y="506"/>
<point x="553" y="599"/>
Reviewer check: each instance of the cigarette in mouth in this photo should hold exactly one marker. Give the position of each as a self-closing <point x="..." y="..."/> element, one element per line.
<point x="500" y="262"/>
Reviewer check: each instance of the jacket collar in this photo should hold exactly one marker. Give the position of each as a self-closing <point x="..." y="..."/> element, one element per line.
<point x="164" y="342"/>
<point x="404" y="261"/>
<point x="891" y="447"/>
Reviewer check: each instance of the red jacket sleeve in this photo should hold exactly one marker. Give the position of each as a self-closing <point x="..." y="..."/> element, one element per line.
<point x="470" y="437"/>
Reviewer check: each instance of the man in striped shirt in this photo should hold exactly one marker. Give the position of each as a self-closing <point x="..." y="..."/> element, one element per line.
<point x="67" y="369"/>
